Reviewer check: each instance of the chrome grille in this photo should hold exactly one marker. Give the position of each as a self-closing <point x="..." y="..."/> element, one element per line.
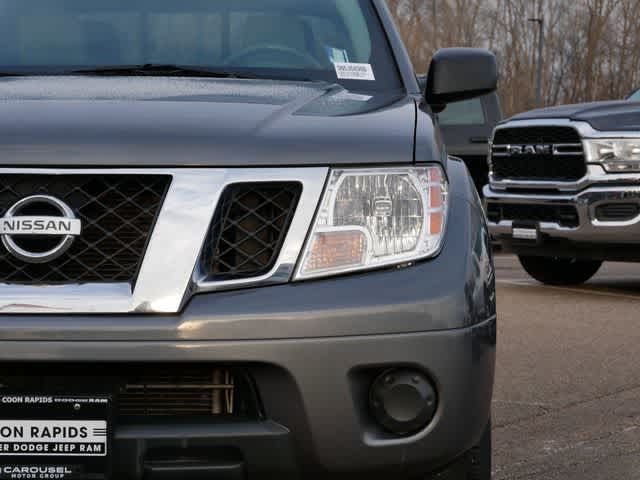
<point x="118" y="213"/>
<point x="544" y="153"/>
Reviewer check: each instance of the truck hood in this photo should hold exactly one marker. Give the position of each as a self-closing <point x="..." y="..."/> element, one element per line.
<point x="606" y="116"/>
<point x="142" y="121"/>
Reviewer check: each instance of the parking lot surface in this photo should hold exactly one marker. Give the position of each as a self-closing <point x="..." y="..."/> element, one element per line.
<point x="567" y="397"/>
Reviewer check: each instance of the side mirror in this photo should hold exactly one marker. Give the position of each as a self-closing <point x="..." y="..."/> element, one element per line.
<point x="458" y="74"/>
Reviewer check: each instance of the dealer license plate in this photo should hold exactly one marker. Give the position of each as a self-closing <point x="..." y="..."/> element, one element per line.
<point x="44" y="437"/>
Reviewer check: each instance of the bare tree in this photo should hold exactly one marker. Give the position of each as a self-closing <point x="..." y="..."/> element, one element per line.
<point x="592" y="47"/>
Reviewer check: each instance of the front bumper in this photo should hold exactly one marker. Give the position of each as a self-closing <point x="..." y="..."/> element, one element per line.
<point x="314" y="396"/>
<point x="590" y="230"/>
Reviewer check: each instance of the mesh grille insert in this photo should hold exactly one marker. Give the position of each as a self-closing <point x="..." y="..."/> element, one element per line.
<point x="248" y="229"/>
<point x="118" y="213"/>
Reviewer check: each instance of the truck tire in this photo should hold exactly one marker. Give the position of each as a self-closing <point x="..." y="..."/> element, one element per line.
<point x="560" y="271"/>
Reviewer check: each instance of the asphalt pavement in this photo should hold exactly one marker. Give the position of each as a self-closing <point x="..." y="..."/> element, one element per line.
<point x="567" y="396"/>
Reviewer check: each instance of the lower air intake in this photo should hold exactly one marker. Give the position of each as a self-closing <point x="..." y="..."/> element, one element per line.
<point x="563" y="215"/>
<point x="617" y="212"/>
<point x="141" y="390"/>
<point x="206" y="392"/>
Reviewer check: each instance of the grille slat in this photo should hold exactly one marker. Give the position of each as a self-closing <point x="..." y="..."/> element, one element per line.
<point x="567" y="164"/>
<point x="118" y="213"/>
<point x="249" y="229"/>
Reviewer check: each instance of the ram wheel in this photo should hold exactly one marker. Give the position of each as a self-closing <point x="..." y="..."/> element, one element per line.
<point x="560" y="271"/>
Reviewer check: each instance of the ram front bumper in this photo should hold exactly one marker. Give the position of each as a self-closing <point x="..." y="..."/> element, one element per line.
<point x="592" y="234"/>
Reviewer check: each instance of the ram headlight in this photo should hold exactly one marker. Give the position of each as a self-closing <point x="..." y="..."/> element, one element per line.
<point x="376" y="217"/>
<point x="615" y="156"/>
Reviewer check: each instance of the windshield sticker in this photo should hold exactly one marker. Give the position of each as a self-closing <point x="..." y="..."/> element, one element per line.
<point x="354" y="71"/>
<point x="337" y="55"/>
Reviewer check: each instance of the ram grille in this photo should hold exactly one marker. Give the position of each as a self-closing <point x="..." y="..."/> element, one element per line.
<point x="546" y="153"/>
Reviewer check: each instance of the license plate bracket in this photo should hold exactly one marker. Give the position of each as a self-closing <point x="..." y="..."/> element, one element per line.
<point x="55" y="436"/>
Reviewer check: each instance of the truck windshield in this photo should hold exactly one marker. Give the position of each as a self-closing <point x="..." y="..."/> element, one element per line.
<point x="330" y="40"/>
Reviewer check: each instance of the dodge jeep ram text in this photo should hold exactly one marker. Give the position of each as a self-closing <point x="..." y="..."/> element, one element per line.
<point x="565" y="189"/>
<point x="234" y="247"/>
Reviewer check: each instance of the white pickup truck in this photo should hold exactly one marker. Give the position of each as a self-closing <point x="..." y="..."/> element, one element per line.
<point x="564" y="192"/>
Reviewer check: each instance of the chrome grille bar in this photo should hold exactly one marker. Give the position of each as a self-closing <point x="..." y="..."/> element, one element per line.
<point x="561" y="149"/>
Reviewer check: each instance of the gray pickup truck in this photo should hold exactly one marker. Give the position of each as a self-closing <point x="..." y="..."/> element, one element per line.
<point x="234" y="247"/>
<point x="467" y="127"/>
<point x="564" y="189"/>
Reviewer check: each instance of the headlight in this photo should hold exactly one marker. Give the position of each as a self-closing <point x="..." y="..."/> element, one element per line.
<point x="616" y="156"/>
<point x="376" y="217"/>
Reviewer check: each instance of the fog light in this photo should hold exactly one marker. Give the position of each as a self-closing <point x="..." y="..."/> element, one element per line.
<point x="403" y="401"/>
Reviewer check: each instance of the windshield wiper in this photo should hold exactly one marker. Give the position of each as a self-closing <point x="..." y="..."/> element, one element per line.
<point x="160" y="70"/>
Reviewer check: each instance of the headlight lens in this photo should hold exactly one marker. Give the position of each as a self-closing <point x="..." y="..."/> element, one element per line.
<point x="375" y="217"/>
<point x="616" y="156"/>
